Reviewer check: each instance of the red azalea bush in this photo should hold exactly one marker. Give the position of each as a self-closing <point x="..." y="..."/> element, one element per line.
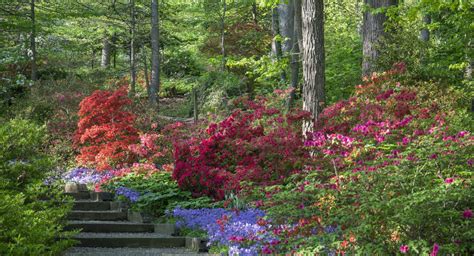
<point x="105" y="130"/>
<point x="255" y="143"/>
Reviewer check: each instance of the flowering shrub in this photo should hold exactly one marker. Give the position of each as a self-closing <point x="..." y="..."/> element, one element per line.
<point x="255" y="143"/>
<point x="153" y="149"/>
<point x="388" y="171"/>
<point x="244" y="232"/>
<point x="105" y="130"/>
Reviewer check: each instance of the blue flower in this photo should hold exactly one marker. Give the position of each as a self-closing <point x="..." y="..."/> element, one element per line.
<point x="237" y="224"/>
<point x="84" y="176"/>
<point x="130" y="194"/>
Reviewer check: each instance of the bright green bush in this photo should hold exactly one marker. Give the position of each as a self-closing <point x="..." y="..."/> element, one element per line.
<point x="157" y="192"/>
<point x="31" y="214"/>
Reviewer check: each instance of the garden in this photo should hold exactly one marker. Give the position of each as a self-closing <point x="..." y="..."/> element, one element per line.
<point x="233" y="147"/>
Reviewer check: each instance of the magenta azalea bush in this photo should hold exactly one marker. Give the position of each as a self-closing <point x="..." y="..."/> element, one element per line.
<point x="255" y="143"/>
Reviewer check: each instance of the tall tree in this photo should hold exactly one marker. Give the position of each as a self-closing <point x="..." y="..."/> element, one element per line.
<point x="133" y="68"/>
<point x="297" y="23"/>
<point x="286" y="21"/>
<point x="34" y="75"/>
<point x="373" y="32"/>
<point x="106" y="52"/>
<point x="313" y="60"/>
<point x="155" y="54"/>
<point x="295" y="51"/>
<point x="425" y="32"/>
<point x="276" y="43"/>
<point x="224" y="9"/>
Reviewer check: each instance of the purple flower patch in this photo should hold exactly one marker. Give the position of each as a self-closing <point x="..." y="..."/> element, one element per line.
<point x="239" y="230"/>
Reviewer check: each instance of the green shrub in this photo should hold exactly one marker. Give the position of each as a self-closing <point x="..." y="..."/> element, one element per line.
<point x="158" y="193"/>
<point x="29" y="224"/>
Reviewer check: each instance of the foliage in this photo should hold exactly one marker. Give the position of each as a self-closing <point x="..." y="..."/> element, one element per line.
<point x="105" y="129"/>
<point x="153" y="193"/>
<point x="379" y="158"/>
<point x="28" y="223"/>
<point x="448" y="53"/>
<point x="217" y="89"/>
<point x="256" y="143"/>
<point x="178" y="64"/>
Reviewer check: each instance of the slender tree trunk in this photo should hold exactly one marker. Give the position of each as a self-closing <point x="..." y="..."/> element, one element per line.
<point x="106" y="49"/>
<point x="425" y="32"/>
<point x="373" y="32"/>
<point x="298" y="24"/>
<point x="133" y="71"/>
<point x="470" y="64"/>
<point x="155" y="55"/>
<point x="114" y="49"/>
<point x="286" y="21"/>
<point x="145" y="70"/>
<point x="93" y="58"/>
<point x="295" y="52"/>
<point x="313" y="60"/>
<point x="255" y="13"/>
<point x="34" y="75"/>
<point x="224" y="9"/>
<point x="276" y="43"/>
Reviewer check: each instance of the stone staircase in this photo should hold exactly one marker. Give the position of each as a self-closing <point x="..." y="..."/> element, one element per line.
<point x="104" y="223"/>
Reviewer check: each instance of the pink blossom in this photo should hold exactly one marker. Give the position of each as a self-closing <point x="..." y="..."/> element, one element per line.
<point x="259" y="203"/>
<point x="404" y="248"/>
<point x="467" y="214"/>
<point x="405" y="141"/>
<point x="266" y="250"/>
<point x="435" y="250"/>
<point x="449" y="180"/>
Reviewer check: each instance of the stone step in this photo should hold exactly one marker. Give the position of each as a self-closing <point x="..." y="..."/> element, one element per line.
<point x="102" y="196"/>
<point x="94" y="251"/>
<point x="129" y="240"/>
<point x="80" y="195"/>
<point x="97" y="215"/>
<point x="91" y="206"/>
<point x="111" y="226"/>
<point x="93" y="196"/>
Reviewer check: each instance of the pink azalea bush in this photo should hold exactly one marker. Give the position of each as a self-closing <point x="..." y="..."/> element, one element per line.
<point x="391" y="166"/>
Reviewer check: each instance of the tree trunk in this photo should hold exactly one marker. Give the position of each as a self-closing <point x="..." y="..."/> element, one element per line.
<point x="155" y="55"/>
<point x="106" y="50"/>
<point x="286" y="21"/>
<point x="298" y="25"/>
<point x="93" y="58"/>
<point x="255" y="13"/>
<point x="114" y="49"/>
<point x="276" y="43"/>
<point x="224" y="9"/>
<point x="313" y="60"/>
<point x="145" y="70"/>
<point x="133" y="71"/>
<point x="373" y="31"/>
<point x="425" y="32"/>
<point x="470" y="64"/>
<point x="34" y="75"/>
<point x="295" y="52"/>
